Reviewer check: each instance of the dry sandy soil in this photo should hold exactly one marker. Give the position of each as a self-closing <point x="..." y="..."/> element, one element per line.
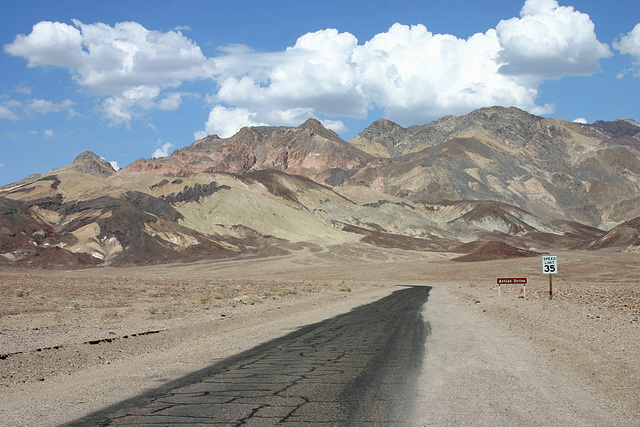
<point x="72" y="342"/>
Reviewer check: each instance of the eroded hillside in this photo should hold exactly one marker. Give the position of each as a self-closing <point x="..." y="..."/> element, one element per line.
<point x="494" y="175"/>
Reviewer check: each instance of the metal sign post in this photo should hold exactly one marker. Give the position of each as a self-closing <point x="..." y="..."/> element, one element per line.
<point x="550" y="267"/>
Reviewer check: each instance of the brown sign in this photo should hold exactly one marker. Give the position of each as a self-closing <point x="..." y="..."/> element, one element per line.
<point x="512" y="281"/>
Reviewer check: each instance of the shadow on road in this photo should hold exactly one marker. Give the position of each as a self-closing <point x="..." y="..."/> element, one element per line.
<point x="359" y="368"/>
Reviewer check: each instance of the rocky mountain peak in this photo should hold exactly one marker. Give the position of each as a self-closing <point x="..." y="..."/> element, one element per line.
<point x="318" y="128"/>
<point x="87" y="163"/>
<point x="88" y="156"/>
<point x="381" y="138"/>
<point x="385" y="126"/>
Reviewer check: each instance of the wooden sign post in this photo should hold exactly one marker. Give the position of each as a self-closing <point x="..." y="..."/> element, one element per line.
<point x="550" y="267"/>
<point x="512" y="281"/>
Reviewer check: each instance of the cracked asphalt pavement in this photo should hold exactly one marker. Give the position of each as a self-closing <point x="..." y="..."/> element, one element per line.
<point x="359" y="368"/>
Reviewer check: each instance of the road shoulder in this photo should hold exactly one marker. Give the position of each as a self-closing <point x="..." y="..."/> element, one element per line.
<point x="482" y="369"/>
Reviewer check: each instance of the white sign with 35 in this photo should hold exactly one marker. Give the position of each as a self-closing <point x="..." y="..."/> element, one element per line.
<point x="549" y="264"/>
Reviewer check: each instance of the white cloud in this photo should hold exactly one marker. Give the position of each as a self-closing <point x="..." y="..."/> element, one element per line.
<point x="43" y="106"/>
<point x="171" y="102"/>
<point x="23" y="89"/>
<point x="409" y="72"/>
<point x="314" y="75"/>
<point x="49" y="133"/>
<point x="117" y="110"/>
<point x="335" y="125"/>
<point x="581" y="120"/>
<point x="417" y="76"/>
<point x="162" y="151"/>
<point x="629" y="44"/>
<point x="114" y="165"/>
<point x="549" y="41"/>
<point x="199" y="135"/>
<point x="131" y="103"/>
<point x="225" y="122"/>
<point x="6" y="113"/>
<point x="50" y="43"/>
<point x="35" y="106"/>
<point x="114" y="61"/>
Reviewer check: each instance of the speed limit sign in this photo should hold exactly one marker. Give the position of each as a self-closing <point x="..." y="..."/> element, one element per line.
<point x="549" y="264"/>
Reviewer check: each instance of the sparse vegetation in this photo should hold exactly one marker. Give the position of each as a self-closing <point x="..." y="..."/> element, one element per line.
<point x="77" y="305"/>
<point x="111" y="315"/>
<point x="344" y="287"/>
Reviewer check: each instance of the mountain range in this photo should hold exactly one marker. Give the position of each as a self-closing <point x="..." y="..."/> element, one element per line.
<point x="523" y="183"/>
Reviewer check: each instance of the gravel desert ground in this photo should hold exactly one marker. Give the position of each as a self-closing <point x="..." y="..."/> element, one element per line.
<point x="73" y="342"/>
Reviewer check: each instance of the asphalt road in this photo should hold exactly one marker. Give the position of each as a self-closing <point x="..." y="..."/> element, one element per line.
<point x="359" y="368"/>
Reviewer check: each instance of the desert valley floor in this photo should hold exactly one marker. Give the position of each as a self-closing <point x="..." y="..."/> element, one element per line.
<point x="74" y="342"/>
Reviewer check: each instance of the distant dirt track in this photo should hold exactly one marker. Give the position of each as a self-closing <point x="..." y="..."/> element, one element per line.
<point x="359" y="368"/>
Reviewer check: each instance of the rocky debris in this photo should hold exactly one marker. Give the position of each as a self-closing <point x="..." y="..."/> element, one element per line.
<point x="606" y="299"/>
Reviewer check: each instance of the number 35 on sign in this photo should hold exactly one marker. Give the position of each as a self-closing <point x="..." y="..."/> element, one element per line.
<point x="549" y="264"/>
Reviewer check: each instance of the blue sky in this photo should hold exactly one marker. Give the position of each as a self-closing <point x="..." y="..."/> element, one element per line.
<point x="132" y="79"/>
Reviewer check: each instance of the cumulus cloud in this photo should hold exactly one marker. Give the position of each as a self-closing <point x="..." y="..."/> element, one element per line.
<point x="49" y="133"/>
<point x="410" y="73"/>
<point x="127" y="63"/>
<point x="629" y="44"/>
<point x="50" y="43"/>
<point x="549" y="41"/>
<point x="415" y="75"/>
<point x="162" y="151"/>
<point x="225" y="122"/>
<point x="581" y="120"/>
<point x="114" y="165"/>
